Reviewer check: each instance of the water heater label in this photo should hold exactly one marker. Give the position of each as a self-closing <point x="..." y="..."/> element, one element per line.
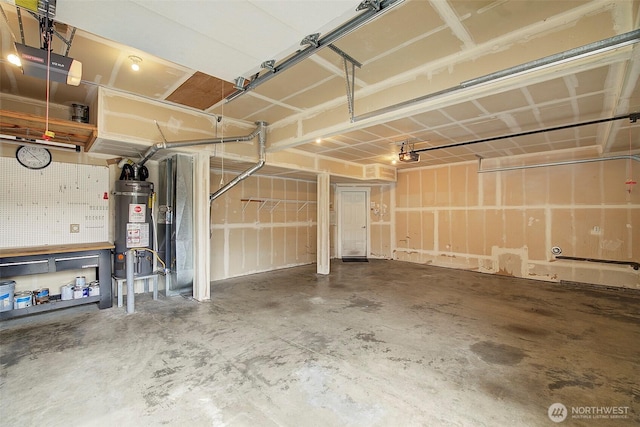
<point x="138" y="235"/>
<point x="137" y="212"/>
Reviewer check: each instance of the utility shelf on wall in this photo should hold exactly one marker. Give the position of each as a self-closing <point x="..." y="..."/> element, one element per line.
<point x="271" y="204"/>
<point x="30" y="127"/>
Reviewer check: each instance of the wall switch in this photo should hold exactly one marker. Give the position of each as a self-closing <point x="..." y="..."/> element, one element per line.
<point x="74" y="228"/>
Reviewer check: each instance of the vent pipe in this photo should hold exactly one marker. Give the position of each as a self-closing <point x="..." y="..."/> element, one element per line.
<point x="262" y="137"/>
<point x="164" y="145"/>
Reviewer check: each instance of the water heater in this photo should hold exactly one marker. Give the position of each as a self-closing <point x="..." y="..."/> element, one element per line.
<point x="133" y="226"/>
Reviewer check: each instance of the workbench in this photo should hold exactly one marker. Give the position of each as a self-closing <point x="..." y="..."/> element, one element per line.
<point x="50" y="259"/>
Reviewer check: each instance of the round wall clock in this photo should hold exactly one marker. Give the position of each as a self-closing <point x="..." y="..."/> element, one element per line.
<point x="33" y="157"/>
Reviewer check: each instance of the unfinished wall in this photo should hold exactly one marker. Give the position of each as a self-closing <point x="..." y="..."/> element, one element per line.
<point x="508" y="222"/>
<point x="380" y="221"/>
<point x="262" y="224"/>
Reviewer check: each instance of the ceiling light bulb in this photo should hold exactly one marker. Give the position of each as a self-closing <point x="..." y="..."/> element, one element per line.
<point x="318" y="140"/>
<point x="14" y="59"/>
<point x="135" y="62"/>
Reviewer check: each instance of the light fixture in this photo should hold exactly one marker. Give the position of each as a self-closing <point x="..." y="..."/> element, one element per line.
<point x="318" y="140"/>
<point x="14" y="59"/>
<point x="135" y="62"/>
<point x="407" y="153"/>
<point x="239" y="83"/>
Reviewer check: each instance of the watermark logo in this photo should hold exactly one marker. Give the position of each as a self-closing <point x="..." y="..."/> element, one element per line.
<point x="557" y="412"/>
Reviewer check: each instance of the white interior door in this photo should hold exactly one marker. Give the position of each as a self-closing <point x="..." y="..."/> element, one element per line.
<point x="353" y="226"/>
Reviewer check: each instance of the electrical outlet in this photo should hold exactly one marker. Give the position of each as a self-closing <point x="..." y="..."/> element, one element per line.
<point x="74" y="228"/>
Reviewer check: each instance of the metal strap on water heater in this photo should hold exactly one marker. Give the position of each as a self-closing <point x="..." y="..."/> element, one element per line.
<point x="129" y="193"/>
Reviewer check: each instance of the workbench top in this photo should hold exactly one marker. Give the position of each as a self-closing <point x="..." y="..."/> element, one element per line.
<point x="51" y="249"/>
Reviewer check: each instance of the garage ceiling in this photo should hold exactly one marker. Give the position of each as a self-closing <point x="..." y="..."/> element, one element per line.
<point x="414" y="56"/>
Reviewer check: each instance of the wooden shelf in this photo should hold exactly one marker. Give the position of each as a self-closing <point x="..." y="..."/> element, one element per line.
<point x="31" y="127"/>
<point x="40" y="250"/>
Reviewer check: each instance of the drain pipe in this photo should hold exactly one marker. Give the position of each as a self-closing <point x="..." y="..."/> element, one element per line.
<point x="262" y="137"/>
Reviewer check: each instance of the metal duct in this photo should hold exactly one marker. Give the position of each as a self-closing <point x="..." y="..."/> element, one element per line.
<point x="164" y="145"/>
<point x="262" y="137"/>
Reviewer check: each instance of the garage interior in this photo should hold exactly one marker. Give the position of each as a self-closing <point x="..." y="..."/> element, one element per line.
<point x="478" y="159"/>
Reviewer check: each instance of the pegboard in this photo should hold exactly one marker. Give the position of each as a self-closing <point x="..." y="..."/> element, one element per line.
<point x="61" y="204"/>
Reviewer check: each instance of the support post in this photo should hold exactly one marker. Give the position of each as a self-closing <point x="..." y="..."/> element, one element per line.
<point x="201" y="228"/>
<point x="129" y="256"/>
<point x="323" y="246"/>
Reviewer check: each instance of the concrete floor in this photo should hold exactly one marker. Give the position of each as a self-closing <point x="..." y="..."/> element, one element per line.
<point x="383" y="343"/>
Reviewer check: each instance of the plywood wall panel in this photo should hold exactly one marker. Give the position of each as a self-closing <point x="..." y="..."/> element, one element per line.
<point x="278" y="246"/>
<point x="458" y="185"/>
<point x="428" y="179"/>
<point x="264" y="251"/>
<point x="536" y="186"/>
<point x="444" y="225"/>
<point x="614" y="178"/>
<point x="236" y="246"/>
<point x="265" y="190"/>
<point x="616" y="236"/>
<point x="459" y="231"/>
<point x="489" y="185"/>
<point x="512" y="188"/>
<point x="476" y="232"/>
<point x="381" y="241"/>
<point x="259" y="238"/>
<point x="290" y="245"/>
<point x="279" y="213"/>
<point x="473" y="182"/>
<point x="633" y="231"/>
<point x="249" y="250"/>
<point x="233" y="203"/>
<point x="561" y="185"/>
<point x="375" y="241"/>
<point x="264" y="187"/>
<point x="442" y="186"/>
<point x="520" y="215"/>
<point x="573" y="231"/>
<point x="535" y="238"/>
<point x="217" y="254"/>
<point x="494" y="229"/>
<point x="302" y="245"/>
<point x="249" y="189"/>
<point x="588" y="185"/>
<point x="312" y="233"/>
<point x="428" y="230"/>
<point x="414" y="230"/>
<point x="278" y="189"/>
<point x="402" y="189"/>
<point x="413" y="191"/>
<point x="514" y="228"/>
<point x="402" y="220"/>
<point x="291" y="191"/>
